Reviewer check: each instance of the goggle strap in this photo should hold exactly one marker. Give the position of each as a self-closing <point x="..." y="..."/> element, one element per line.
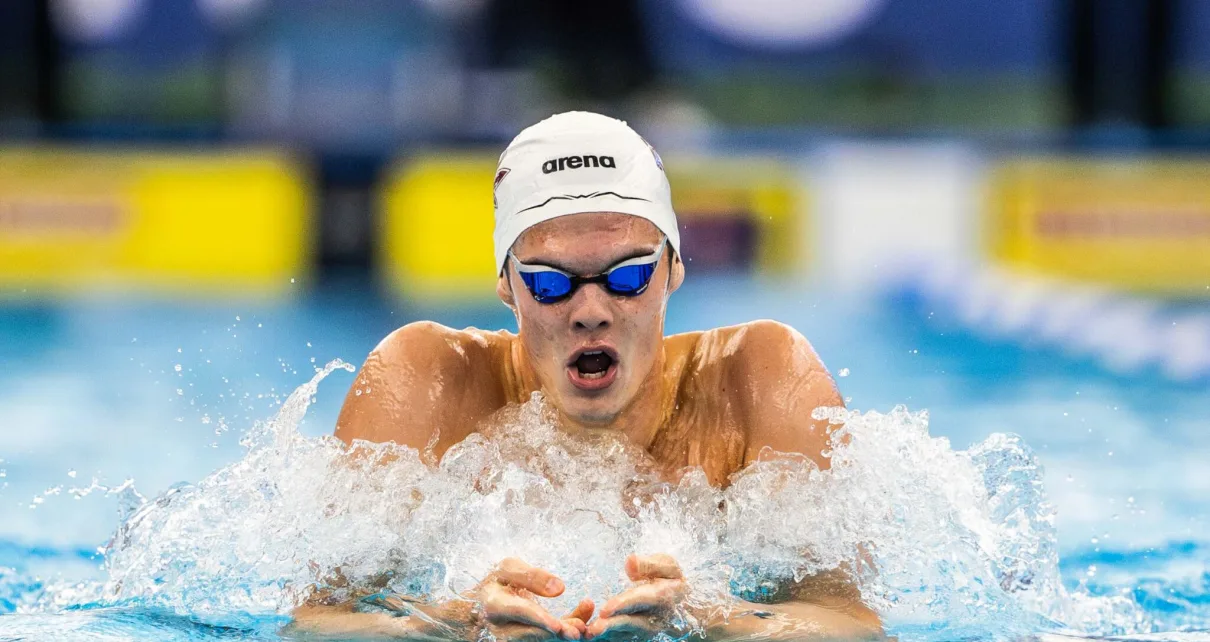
<point x="654" y="257"/>
<point x="535" y="269"/>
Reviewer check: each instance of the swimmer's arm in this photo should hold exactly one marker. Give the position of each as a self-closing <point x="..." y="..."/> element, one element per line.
<point x="416" y="389"/>
<point x="791" y="621"/>
<point x="326" y="616"/>
<point x="825" y="606"/>
<point x="342" y="622"/>
<point x="781" y="381"/>
<point x="502" y="606"/>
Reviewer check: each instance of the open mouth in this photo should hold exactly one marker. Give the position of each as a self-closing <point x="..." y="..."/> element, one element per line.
<point x="593" y="368"/>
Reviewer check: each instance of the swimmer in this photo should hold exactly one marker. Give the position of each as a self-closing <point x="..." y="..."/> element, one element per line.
<point x="587" y="252"/>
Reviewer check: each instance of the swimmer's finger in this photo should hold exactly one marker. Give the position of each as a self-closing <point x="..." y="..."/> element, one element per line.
<point x="513" y="632"/>
<point x="518" y="574"/>
<point x="574" y="624"/>
<point x="628" y="626"/>
<point x="503" y="608"/>
<point x="647" y="567"/>
<point x="583" y="611"/>
<point x="655" y="596"/>
<point x="574" y="629"/>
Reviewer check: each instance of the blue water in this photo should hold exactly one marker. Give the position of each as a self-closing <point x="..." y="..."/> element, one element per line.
<point x="97" y="392"/>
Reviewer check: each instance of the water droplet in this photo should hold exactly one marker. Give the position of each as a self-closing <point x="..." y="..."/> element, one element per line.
<point x="71" y="473"/>
<point x="308" y="344"/>
<point x="357" y="392"/>
<point x="177" y="367"/>
<point x="844" y="372"/>
<point x="179" y="392"/>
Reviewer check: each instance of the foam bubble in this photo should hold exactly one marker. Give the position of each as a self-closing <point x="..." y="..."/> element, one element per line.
<point x="933" y="536"/>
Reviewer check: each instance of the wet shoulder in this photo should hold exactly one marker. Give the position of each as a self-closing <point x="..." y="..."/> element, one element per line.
<point x="711" y="424"/>
<point x="735" y="350"/>
<point x="429" y="348"/>
<point x="424" y="381"/>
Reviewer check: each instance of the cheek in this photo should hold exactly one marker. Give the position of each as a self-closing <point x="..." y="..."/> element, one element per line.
<point x="642" y="325"/>
<point x="540" y="323"/>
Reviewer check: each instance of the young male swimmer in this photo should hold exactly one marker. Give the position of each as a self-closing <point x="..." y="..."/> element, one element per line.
<point x="588" y="252"/>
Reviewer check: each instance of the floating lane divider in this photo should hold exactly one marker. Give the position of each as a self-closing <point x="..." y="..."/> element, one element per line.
<point x="1125" y="333"/>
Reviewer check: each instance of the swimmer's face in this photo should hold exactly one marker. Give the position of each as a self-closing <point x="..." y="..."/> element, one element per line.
<point x="629" y="331"/>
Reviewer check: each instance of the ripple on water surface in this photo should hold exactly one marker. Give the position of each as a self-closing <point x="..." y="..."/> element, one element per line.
<point x="944" y="543"/>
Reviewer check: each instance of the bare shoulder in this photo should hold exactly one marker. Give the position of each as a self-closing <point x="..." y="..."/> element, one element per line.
<point x="422" y="379"/>
<point x="753" y="347"/>
<point x="434" y="346"/>
<point x="775" y="379"/>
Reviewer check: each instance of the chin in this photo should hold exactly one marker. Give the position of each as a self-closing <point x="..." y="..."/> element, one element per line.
<point x="594" y="414"/>
<point x="591" y="411"/>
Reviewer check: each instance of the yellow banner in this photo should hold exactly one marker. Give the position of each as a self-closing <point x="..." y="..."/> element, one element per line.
<point x="1140" y="224"/>
<point x="220" y="221"/>
<point x="736" y="214"/>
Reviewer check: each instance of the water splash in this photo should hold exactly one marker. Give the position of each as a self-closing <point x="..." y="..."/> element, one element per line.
<point x="935" y="537"/>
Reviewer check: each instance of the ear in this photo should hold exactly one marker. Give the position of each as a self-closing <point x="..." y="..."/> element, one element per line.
<point x="677" y="277"/>
<point x="504" y="290"/>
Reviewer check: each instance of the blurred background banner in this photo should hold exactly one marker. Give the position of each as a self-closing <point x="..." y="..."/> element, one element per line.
<point x="996" y="210"/>
<point x="436" y="229"/>
<point x="1139" y="224"/>
<point x="85" y="220"/>
<point x="886" y="119"/>
<point x="737" y="215"/>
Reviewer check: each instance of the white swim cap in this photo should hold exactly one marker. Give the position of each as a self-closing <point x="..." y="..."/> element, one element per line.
<point x="579" y="162"/>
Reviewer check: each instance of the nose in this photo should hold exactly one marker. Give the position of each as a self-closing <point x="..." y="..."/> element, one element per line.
<point x="591" y="308"/>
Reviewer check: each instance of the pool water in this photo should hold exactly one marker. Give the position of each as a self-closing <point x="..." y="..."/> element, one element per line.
<point x="95" y="393"/>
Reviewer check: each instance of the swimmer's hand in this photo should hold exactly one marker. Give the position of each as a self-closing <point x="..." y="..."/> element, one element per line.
<point x="502" y="605"/>
<point x="510" y="613"/>
<point x="644" y="610"/>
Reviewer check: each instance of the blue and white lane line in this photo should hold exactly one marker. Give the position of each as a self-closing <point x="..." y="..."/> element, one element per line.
<point x="1123" y="332"/>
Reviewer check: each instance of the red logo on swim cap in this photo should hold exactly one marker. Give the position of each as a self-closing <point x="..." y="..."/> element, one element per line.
<point x="495" y="184"/>
<point x="659" y="162"/>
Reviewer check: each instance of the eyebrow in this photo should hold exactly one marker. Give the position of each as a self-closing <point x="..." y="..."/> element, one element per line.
<point x="625" y="257"/>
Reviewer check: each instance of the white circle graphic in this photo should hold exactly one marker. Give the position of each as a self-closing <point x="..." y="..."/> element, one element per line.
<point x="781" y="23"/>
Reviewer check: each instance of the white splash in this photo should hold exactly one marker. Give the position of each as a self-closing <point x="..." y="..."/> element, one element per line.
<point x="932" y="534"/>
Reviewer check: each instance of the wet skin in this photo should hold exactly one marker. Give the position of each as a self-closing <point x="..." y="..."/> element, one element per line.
<point x="711" y="399"/>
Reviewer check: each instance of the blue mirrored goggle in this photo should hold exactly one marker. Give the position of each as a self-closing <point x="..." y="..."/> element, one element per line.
<point x="628" y="278"/>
